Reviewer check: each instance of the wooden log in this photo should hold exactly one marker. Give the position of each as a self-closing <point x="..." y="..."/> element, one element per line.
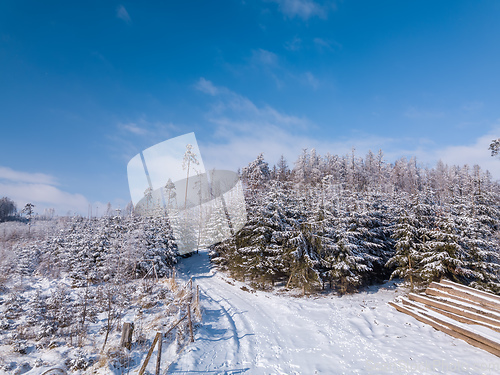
<point x="472" y="290"/>
<point x="454" y="301"/>
<point x="474" y="335"/>
<point x="467" y="295"/>
<point x="452" y="309"/>
<point x="479" y="343"/>
<point x="148" y="356"/>
<point x="127" y="330"/>
<point x="456" y="317"/>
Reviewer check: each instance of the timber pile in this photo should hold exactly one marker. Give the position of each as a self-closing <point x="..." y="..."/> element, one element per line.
<point x="458" y="310"/>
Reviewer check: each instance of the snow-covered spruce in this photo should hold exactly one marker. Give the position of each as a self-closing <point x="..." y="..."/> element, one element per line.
<point x="342" y="222"/>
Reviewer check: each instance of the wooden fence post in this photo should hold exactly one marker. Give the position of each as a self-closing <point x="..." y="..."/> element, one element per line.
<point x="127" y="330"/>
<point x="158" y="358"/>
<point x="190" y="323"/>
<point x="145" y="364"/>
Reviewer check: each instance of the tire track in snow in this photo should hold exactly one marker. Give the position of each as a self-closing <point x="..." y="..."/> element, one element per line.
<point x="255" y="334"/>
<point x="262" y="333"/>
<point x="286" y="344"/>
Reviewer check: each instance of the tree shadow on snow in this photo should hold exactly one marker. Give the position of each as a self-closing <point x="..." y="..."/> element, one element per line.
<point x="375" y="288"/>
<point x="197" y="265"/>
<point x="227" y="372"/>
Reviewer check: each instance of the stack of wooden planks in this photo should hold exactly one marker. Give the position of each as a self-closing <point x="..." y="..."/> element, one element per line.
<point x="460" y="311"/>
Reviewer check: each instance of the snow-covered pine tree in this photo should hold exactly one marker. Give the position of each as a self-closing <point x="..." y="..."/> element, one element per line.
<point x="479" y="225"/>
<point x="405" y="261"/>
<point x="160" y="250"/>
<point x="283" y="171"/>
<point x="441" y="254"/>
<point x="216" y="229"/>
<point x="349" y="259"/>
<point x="495" y="147"/>
<point x="28" y="256"/>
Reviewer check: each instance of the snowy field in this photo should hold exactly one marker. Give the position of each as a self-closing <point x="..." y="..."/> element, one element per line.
<point x="244" y="331"/>
<point x="254" y="332"/>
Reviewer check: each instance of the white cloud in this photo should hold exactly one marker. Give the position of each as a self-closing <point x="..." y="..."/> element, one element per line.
<point x="131" y="137"/>
<point x="473" y="106"/>
<point x="323" y="44"/>
<point x="12" y="175"/>
<point x="474" y="153"/>
<point x="304" y="9"/>
<point x="243" y="130"/>
<point x="39" y="189"/>
<point x="133" y="128"/>
<point x="122" y="14"/>
<point x="311" y="80"/>
<point x="206" y="86"/>
<point x="294" y="45"/>
<point x="263" y="57"/>
<point x="417" y="113"/>
<point x="428" y="153"/>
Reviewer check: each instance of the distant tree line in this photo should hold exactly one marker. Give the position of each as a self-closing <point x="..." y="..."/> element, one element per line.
<point x="98" y="249"/>
<point x="8" y="209"/>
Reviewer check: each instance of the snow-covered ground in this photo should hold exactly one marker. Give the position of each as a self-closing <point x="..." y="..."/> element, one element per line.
<point x="255" y="332"/>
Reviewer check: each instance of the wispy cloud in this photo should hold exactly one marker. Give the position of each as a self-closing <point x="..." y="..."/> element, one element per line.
<point x="39" y="189"/>
<point x="206" y="87"/>
<point x="311" y="80"/>
<point x="263" y="57"/>
<point x="473" y="106"/>
<point x="474" y="153"/>
<point x="34" y="178"/>
<point x="243" y="129"/>
<point x="294" y="45"/>
<point x="131" y="137"/>
<point x="304" y="9"/>
<point x="428" y="152"/>
<point x="133" y="128"/>
<point x="326" y="45"/>
<point x="100" y="57"/>
<point x="273" y="66"/>
<point x="122" y="14"/>
<point x="417" y="113"/>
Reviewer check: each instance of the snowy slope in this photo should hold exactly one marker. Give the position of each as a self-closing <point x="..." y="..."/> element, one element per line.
<point x="265" y="333"/>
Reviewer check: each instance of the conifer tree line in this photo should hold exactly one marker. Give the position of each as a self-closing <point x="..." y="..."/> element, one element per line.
<point x="74" y="278"/>
<point x="110" y="248"/>
<point x="342" y="222"/>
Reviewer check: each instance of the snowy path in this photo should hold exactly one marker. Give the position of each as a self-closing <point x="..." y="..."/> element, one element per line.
<point x="262" y="333"/>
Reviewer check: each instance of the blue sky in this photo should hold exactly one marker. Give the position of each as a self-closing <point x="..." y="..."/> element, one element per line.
<point x="85" y="86"/>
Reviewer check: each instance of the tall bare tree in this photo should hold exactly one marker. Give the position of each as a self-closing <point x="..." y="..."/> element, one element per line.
<point x="189" y="157"/>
